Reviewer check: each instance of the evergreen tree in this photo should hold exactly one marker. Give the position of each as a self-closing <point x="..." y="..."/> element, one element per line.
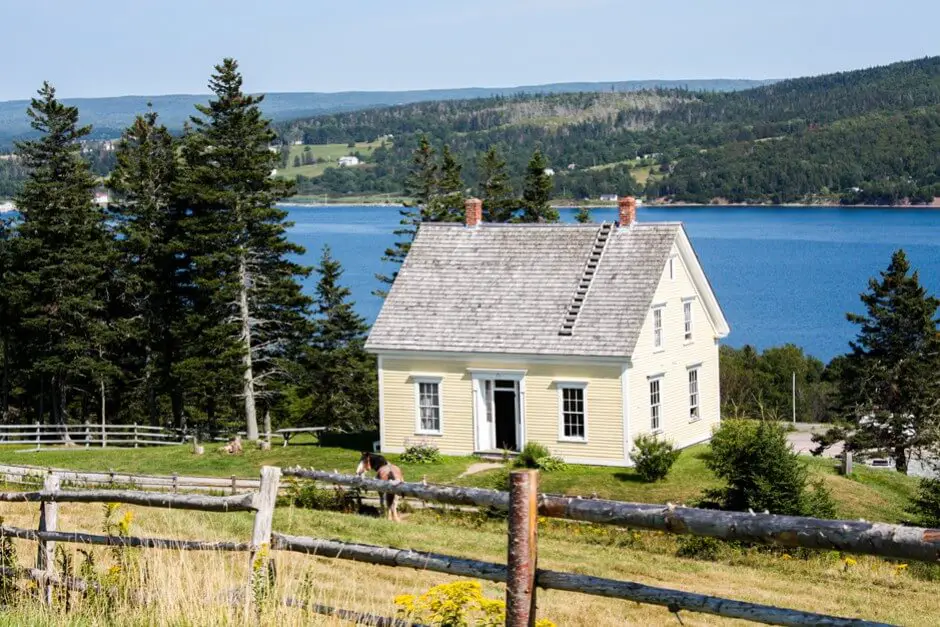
<point x="421" y="186"/>
<point x="65" y="256"/>
<point x="343" y="384"/>
<point x="8" y="300"/>
<point x="499" y="202"/>
<point x="447" y="204"/>
<point x="155" y="266"/>
<point x="537" y="191"/>
<point x="251" y="302"/>
<point x="890" y="384"/>
<point x="584" y="214"/>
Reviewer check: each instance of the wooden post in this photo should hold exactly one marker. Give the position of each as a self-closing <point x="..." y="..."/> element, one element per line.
<point x="48" y="521"/>
<point x="234" y="483"/>
<point x="521" y="563"/>
<point x="260" y="560"/>
<point x="87" y="437"/>
<point x="135" y="435"/>
<point x="37" y="436"/>
<point x="176" y="482"/>
<point x="104" y="437"/>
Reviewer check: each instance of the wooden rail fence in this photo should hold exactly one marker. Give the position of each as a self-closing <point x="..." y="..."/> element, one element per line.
<point x="521" y="574"/>
<point x="87" y="435"/>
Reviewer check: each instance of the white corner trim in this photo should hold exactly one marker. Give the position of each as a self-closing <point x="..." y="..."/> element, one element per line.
<point x="625" y="399"/>
<point x="382" y="439"/>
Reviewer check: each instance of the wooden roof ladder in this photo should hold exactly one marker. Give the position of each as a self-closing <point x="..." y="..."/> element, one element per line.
<point x="574" y="307"/>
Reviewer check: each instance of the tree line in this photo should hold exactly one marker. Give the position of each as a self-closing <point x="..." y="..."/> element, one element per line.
<point x="180" y="303"/>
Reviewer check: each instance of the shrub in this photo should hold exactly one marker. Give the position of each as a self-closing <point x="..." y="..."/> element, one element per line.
<point x="421" y="454"/>
<point x="550" y="464"/>
<point x="925" y="506"/>
<point x="762" y="472"/>
<point x="530" y="454"/>
<point x="456" y="604"/>
<point x="653" y="458"/>
<point x="698" y="547"/>
<point x="337" y="499"/>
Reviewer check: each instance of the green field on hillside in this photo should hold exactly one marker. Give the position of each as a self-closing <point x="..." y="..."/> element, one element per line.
<point x="329" y="152"/>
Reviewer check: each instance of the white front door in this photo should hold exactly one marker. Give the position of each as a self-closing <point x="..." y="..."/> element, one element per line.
<point x="498" y="395"/>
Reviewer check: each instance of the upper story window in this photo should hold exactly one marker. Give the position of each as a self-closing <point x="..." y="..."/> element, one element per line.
<point x="656" y="407"/>
<point x="429" y="419"/>
<point x="572" y="411"/>
<point x="672" y="268"/>
<point x="693" y="394"/>
<point x="657" y="327"/>
<point x="687" y="319"/>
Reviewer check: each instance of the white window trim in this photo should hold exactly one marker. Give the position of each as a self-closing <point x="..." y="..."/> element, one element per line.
<point x="690" y="338"/>
<point x="697" y="369"/>
<point x="662" y="327"/>
<point x="575" y="385"/>
<point x="655" y="377"/>
<point x="418" y="380"/>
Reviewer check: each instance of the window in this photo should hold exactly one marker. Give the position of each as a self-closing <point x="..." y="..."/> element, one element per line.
<point x="693" y="394"/>
<point x="428" y="403"/>
<point x="687" y="317"/>
<point x="672" y="268"/>
<point x="658" y="327"/>
<point x="655" y="404"/>
<point x="572" y="406"/>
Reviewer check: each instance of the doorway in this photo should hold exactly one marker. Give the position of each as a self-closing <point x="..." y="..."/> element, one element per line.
<point x="498" y="415"/>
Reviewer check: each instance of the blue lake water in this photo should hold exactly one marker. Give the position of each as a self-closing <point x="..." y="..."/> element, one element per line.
<point x="782" y="274"/>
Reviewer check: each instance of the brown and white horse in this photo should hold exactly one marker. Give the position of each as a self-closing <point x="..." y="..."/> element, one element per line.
<point x="387" y="472"/>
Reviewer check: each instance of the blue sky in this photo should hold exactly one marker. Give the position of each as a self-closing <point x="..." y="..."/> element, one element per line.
<point x="117" y="47"/>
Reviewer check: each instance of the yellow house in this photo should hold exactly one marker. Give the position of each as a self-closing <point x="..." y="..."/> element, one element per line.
<point x="577" y="336"/>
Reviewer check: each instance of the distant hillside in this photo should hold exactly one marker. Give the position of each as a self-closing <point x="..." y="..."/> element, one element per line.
<point x="110" y="116"/>
<point x="866" y="136"/>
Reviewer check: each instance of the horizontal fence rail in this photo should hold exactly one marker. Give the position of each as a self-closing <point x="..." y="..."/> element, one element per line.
<point x="861" y="537"/>
<point x="88" y="434"/>
<point x="629" y="591"/>
<point x="236" y="503"/>
<point x="33" y="474"/>
<point x="75" y="537"/>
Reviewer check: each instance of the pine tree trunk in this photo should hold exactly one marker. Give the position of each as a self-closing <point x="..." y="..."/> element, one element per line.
<point x="176" y="400"/>
<point x="900" y="459"/>
<point x="5" y="401"/>
<point x="267" y="423"/>
<point x="60" y="401"/>
<point x="251" y="415"/>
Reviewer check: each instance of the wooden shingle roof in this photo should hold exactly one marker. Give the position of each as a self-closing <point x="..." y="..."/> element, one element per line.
<point x="500" y="288"/>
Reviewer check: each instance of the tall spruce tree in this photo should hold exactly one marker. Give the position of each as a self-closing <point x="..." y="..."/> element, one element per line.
<point x="155" y="264"/>
<point x="537" y="191"/>
<point x="584" y="214"/>
<point x="447" y="204"/>
<point x="421" y="185"/>
<point x="343" y="388"/>
<point x="890" y="385"/>
<point x="251" y="300"/>
<point x="499" y="201"/>
<point x="8" y="301"/>
<point x="65" y="257"/>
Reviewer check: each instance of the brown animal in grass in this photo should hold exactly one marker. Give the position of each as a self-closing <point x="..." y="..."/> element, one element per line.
<point x="386" y="472"/>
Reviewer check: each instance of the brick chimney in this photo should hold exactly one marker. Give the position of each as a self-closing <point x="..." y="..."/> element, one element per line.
<point x="627" y="210"/>
<point x="474" y="209"/>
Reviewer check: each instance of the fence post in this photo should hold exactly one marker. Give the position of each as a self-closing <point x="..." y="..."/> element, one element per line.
<point x="176" y="482"/>
<point x="523" y="549"/>
<point x="846" y="463"/>
<point x="260" y="561"/>
<point x="104" y="436"/>
<point x="37" y="435"/>
<point x="48" y="521"/>
<point x="234" y="483"/>
<point x="87" y="436"/>
<point x="135" y="435"/>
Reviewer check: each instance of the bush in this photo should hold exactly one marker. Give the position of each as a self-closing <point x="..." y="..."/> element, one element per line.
<point x="535" y="455"/>
<point x="763" y="473"/>
<point x="337" y="499"/>
<point x="925" y="506"/>
<point x="421" y="454"/>
<point x="530" y="454"/>
<point x="698" y="547"/>
<point x="653" y="458"/>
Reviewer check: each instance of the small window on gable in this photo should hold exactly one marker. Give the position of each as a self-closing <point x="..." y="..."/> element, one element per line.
<point x="428" y="406"/>
<point x="687" y="318"/>
<point x="572" y="399"/>
<point x="657" y="327"/>
<point x="672" y="268"/>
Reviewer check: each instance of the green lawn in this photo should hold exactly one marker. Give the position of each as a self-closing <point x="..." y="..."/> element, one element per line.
<point x="871" y="494"/>
<point x="330" y="152"/>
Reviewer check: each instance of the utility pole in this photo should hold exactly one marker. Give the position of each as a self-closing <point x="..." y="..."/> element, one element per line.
<point x="794" y="398"/>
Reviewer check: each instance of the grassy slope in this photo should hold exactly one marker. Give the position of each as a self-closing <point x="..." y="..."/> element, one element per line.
<point x="331" y="152"/>
<point x="870" y="494"/>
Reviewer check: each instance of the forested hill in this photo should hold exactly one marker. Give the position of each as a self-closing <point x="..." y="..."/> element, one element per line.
<point x="866" y="136"/>
<point x="110" y="116"/>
